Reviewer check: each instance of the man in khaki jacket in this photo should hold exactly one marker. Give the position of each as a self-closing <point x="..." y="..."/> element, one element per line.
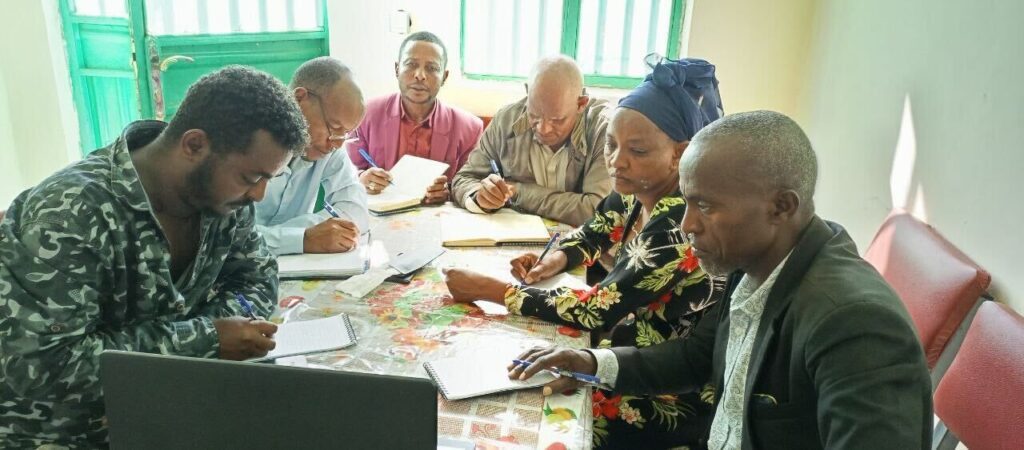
<point x="548" y="149"/>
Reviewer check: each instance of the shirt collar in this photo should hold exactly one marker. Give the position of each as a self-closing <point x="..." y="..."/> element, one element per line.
<point x="428" y="122"/>
<point x="577" y="138"/>
<point x="747" y="291"/>
<point x="124" y="179"/>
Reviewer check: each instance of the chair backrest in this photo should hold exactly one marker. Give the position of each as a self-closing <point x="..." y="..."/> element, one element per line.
<point x="936" y="281"/>
<point x="981" y="397"/>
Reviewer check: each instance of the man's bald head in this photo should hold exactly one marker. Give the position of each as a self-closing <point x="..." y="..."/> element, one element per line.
<point x="558" y="75"/>
<point x="330" y="100"/>
<point x="762" y="147"/>
<point x="555" y="99"/>
<point x="324" y="74"/>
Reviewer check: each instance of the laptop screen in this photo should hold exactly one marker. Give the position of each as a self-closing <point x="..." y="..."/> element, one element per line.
<point x="157" y="401"/>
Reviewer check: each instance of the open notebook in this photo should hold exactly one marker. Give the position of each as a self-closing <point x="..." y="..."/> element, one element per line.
<point x="479" y="373"/>
<point x="312" y="336"/>
<point x="411" y="176"/>
<point x="326" y="265"/>
<point x="465" y="229"/>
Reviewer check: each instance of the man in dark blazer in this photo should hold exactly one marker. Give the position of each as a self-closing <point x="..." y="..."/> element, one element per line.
<point x="810" y="348"/>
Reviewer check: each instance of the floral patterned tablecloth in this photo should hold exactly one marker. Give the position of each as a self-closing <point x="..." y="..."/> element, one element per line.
<point x="401" y="326"/>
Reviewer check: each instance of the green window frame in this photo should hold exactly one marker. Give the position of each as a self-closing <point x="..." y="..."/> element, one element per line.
<point x="570" y="39"/>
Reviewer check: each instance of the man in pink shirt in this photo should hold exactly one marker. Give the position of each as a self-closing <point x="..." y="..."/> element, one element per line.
<point x="414" y="122"/>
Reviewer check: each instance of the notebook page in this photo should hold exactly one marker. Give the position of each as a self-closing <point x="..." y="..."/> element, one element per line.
<point x="411" y="176"/>
<point x="415" y="174"/>
<point x="312" y="336"/>
<point x="477" y="373"/>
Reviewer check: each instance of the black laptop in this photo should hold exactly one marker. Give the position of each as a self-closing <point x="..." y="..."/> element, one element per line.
<point x="158" y="402"/>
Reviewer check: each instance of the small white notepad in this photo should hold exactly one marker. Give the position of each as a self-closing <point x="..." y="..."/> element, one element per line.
<point x="326" y="265"/>
<point x="411" y="176"/>
<point x="312" y="336"/>
<point x="478" y="373"/>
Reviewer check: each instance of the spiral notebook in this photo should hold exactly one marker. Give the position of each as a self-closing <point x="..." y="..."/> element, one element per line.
<point x="479" y="373"/>
<point x="312" y="336"/>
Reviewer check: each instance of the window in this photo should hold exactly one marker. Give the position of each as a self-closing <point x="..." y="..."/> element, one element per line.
<point x="501" y="39"/>
<point x="194" y="17"/>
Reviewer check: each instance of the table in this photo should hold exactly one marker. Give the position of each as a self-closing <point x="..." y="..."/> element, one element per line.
<point x="401" y="326"/>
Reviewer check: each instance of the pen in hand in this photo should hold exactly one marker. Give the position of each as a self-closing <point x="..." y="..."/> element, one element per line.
<point x="371" y="162"/>
<point x="247" y="307"/>
<point x="497" y="171"/>
<point x="547" y="248"/>
<point x="581" y="377"/>
<point x="554" y="238"/>
<point x="330" y="210"/>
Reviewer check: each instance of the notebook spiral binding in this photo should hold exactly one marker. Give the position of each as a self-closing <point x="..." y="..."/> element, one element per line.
<point x="437" y="380"/>
<point x="349" y="329"/>
<point x="520" y="244"/>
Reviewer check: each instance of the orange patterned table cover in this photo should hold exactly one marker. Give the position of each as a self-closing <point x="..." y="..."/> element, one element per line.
<point x="402" y="326"/>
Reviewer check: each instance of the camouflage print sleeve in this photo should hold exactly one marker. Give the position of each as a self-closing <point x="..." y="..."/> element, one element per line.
<point x="56" y="274"/>
<point x="250" y="269"/>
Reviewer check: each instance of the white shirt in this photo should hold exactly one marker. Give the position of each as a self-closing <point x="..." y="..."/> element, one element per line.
<point x="745" y="309"/>
<point x="287" y="208"/>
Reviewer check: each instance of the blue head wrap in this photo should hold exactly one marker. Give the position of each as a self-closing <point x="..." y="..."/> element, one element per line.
<point x="679" y="96"/>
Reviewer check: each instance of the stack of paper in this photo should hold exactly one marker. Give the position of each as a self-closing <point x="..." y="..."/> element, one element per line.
<point x="411" y="176"/>
<point x="326" y="265"/>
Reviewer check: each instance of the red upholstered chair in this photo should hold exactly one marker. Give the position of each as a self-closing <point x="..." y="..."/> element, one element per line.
<point x="937" y="282"/>
<point x="980" y="400"/>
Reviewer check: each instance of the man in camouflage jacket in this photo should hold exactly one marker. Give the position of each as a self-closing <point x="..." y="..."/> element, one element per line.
<point x="141" y="246"/>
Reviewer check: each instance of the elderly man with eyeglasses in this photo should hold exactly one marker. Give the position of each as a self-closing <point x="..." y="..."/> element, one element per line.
<point x="333" y="106"/>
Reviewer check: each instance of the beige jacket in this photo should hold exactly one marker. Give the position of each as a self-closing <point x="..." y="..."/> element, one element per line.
<point x="507" y="140"/>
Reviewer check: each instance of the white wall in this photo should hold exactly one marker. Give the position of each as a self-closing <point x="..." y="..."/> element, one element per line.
<point x="38" y="131"/>
<point x="759" y="49"/>
<point x="940" y="80"/>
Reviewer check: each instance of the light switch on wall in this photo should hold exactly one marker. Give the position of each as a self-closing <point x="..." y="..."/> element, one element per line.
<point x="400" y="22"/>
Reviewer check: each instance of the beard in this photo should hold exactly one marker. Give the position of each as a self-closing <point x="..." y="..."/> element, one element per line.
<point x="200" y="191"/>
<point x="715" y="269"/>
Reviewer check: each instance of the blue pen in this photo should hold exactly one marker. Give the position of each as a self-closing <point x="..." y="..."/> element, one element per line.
<point x="371" y="162"/>
<point x="246" y="307"/>
<point x="548" y="247"/>
<point x="582" y="377"/>
<point x="330" y="210"/>
<point x="497" y="171"/>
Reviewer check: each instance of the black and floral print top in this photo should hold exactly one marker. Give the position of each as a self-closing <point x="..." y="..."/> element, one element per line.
<point x="655" y="291"/>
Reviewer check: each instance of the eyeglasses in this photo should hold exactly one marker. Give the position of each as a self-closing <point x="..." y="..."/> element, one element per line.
<point x="350" y="135"/>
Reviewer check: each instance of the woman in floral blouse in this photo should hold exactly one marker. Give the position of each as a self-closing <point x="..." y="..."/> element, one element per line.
<point x="656" y="290"/>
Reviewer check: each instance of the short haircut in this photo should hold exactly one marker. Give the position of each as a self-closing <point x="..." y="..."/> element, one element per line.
<point x="425" y="36"/>
<point x="320" y="74"/>
<point x="781" y="154"/>
<point x="559" y="69"/>
<point x="232" y="103"/>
